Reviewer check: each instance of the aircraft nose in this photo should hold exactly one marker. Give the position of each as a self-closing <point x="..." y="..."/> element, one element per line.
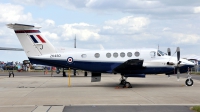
<point x="189" y="63"/>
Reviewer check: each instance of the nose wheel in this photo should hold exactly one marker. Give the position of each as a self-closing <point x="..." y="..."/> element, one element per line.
<point x="189" y="81"/>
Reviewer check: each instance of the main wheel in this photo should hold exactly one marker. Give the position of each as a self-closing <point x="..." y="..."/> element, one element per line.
<point x="127" y="85"/>
<point x="123" y="81"/>
<point x="189" y="82"/>
<point x="58" y="71"/>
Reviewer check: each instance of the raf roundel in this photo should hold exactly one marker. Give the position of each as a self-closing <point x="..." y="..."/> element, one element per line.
<point x="70" y="60"/>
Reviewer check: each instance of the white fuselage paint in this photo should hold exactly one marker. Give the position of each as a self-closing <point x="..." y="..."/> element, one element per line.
<point x="145" y="54"/>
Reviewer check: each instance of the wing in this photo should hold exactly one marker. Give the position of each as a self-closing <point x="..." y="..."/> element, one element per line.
<point x="130" y="65"/>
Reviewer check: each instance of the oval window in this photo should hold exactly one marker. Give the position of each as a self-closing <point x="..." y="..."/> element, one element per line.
<point x="137" y="54"/>
<point x="108" y="55"/>
<point x="97" y="55"/>
<point x="83" y="55"/>
<point x="129" y="54"/>
<point x="122" y="54"/>
<point x="115" y="55"/>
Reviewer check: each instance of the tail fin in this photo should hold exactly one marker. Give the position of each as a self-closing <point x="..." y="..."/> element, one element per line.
<point x="32" y="41"/>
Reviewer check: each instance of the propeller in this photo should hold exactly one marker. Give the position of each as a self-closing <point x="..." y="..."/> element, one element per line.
<point x="178" y="62"/>
<point x="177" y="66"/>
<point x="168" y="52"/>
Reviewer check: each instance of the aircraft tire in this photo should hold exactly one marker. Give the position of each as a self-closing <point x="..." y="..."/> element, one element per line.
<point x="127" y="85"/>
<point x="57" y="71"/>
<point x="189" y="82"/>
<point x="122" y="82"/>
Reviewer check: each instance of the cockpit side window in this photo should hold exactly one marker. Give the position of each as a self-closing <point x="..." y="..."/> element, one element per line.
<point x="152" y="54"/>
<point x="160" y="53"/>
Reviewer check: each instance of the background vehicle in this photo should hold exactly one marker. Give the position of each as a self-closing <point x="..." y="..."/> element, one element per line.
<point x="9" y="66"/>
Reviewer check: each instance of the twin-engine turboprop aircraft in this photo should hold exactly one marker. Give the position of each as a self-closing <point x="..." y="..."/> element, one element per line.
<point x="127" y="62"/>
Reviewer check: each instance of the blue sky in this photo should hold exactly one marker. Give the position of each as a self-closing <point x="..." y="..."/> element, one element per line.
<point x="114" y="24"/>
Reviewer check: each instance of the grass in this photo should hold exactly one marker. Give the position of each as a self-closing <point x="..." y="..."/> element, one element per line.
<point x="196" y="73"/>
<point x="196" y="108"/>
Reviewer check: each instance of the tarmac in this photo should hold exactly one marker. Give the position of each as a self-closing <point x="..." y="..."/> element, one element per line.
<point x="36" y="92"/>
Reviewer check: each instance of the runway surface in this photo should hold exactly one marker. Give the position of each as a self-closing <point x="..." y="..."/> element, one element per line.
<point x="34" y="91"/>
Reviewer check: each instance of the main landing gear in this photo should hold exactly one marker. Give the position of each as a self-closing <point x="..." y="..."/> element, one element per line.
<point x="189" y="81"/>
<point x="124" y="82"/>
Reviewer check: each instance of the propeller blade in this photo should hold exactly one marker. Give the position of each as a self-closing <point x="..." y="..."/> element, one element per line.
<point x="178" y="73"/>
<point x="178" y="53"/>
<point x="178" y="59"/>
<point x="168" y="51"/>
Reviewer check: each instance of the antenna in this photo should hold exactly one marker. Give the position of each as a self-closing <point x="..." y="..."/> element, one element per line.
<point x="158" y="46"/>
<point x="75" y="41"/>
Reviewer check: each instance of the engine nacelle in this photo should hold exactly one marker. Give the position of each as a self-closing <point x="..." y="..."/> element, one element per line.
<point x="170" y="63"/>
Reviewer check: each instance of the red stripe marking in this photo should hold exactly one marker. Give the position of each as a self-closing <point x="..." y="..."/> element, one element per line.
<point x="41" y="39"/>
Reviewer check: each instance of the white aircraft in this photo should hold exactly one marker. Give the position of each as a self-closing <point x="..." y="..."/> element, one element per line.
<point x="127" y="62"/>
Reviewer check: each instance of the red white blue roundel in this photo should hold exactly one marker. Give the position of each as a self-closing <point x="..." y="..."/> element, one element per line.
<point x="70" y="60"/>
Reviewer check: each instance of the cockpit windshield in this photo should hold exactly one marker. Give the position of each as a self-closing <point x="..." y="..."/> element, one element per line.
<point x="160" y="53"/>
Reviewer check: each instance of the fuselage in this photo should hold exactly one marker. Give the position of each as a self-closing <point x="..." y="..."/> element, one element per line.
<point x="105" y="61"/>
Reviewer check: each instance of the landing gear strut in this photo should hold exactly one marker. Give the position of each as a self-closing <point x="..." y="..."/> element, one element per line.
<point x="85" y="74"/>
<point x="124" y="82"/>
<point x="64" y="74"/>
<point x="189" y="81"/>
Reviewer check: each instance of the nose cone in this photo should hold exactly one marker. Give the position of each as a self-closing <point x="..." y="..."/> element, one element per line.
<point x="187" y="63"/>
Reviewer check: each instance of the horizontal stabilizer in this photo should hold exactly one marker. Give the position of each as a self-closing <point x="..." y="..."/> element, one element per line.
<point x="11" y="49"/>
<point x="21" y="26"/>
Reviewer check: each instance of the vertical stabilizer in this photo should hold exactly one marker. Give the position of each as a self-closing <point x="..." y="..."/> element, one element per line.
<point x="31" y="39"/>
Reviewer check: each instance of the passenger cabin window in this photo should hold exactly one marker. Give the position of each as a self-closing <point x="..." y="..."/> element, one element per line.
<point x="137" y="54"/>
<point x="129" y="54"/>
<point x="83" y="55"/>
<point x="97" y="55"/>
<point x="122" y="54"/>
<point x="153" y="54"/>
<point x="108" y="55"/>
<point x="115" y="55"/>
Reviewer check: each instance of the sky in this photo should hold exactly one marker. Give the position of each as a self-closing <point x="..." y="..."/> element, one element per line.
<point x="113" y="24"/>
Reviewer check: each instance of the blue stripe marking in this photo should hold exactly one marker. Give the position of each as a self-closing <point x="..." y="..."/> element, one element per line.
<point x="102" y="67"/>
<point x="33" y="38"/>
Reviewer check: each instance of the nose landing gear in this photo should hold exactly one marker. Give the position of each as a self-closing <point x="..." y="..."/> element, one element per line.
<point x="189" y="81"/>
